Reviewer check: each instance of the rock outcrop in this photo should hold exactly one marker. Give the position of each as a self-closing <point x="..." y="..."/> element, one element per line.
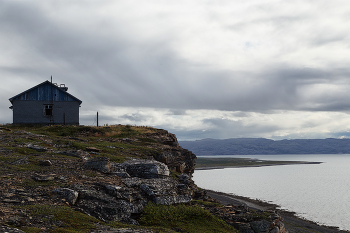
<point x="81" y="172"/>
<point x="143" y="181"/>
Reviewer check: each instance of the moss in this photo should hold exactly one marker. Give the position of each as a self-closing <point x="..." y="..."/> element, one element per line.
<point x="73" y="221"/>
<point x="147" y="140"/>
<point x="24" y="150"/>
<point x="34" y="184"/>
<point x="206" y="203"/>
<point x="31" y="229"/>
<point x="185" y="218"/>
<point x="78" y="145"/>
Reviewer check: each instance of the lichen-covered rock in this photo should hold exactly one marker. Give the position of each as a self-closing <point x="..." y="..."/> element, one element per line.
<point x="106" y="207"/>
<point x="99" y="163"/>
<point x="260" y="226"/>
<point x="76" y="153"/>
<point x="70" y="195"/>
<point x="10" y="230"/>
<point x="45" y="163"/>
<point x="147" y="169"/>
<point x="37" y="148"/>
<point x="178" y="159"/>
<point x="117" y="170"/>
<point x="160" y="191"/>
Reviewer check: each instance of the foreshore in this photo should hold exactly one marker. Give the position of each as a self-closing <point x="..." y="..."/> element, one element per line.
<point x="293" y="223"/>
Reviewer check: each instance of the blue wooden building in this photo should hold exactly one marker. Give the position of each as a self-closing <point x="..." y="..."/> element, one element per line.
<point x="46" y="103"/>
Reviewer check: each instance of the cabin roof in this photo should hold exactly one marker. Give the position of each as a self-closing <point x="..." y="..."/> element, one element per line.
<point x="42" y="91"/>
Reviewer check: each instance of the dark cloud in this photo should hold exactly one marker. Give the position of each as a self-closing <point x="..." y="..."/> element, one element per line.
<point x="109" y="70"/>
<point x="107" y="63"/>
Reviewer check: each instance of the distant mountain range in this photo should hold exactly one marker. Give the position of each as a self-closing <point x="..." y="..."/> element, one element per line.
<point x="263" y="146"/>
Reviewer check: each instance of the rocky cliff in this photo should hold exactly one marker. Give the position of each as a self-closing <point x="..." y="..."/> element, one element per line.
<point x="109" y="174"/>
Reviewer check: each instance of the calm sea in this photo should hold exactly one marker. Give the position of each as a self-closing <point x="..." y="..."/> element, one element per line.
<point x="317" y="192"/>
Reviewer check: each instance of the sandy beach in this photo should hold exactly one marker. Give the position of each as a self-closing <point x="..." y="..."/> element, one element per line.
<point x="292" y="223"/>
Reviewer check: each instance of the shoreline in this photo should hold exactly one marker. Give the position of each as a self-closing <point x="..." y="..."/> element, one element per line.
<point x="293" y="223"/>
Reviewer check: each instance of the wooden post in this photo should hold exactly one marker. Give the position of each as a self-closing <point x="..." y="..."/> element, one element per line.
<point x="97" y="119"/>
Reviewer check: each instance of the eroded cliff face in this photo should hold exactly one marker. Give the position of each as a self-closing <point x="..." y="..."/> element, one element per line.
<point x="174" y="156"/>
<point x="83" y="172"/>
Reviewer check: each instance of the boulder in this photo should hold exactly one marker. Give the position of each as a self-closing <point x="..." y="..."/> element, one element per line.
<point x="163" y="191"/>
<point x="70" y="195"/>
<point x="99" y="163"/>
<point x="147" y="169"/>
<point x="36" y="147"/>
<point x="106" y="207"/>
<point x="178" y="159"/>
<point x="118" y="170"/>
<point x="45" y="163"/>
<point x="260" y="226"/>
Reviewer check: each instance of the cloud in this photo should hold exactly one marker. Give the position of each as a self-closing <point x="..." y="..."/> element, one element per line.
<point x="199" y="68"/>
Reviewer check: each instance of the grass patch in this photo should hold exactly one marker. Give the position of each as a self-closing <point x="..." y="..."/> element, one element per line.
<point x="8" y="159"/>
<point x="31" y="229"/>
<point x="187" y="218"/>
<point x="147" y="140"/>
<point x="206" y="203"/>
<point x="24" y="150"/>
<point x="79" y="145"/>
<point x="72" y="220"/>
<point x="114" y="158"/>
<point x="34" y="184"/>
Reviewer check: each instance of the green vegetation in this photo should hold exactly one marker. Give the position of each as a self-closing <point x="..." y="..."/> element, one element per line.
<point x="72" y="220"/>
<point x="206" y="203"/>
<point x="116" y="131"/>
<point x="35" y="184"/>
<point x="185" y="218"/>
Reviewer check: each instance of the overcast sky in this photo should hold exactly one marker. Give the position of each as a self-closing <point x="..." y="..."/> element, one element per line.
<point x="201" y="69"/>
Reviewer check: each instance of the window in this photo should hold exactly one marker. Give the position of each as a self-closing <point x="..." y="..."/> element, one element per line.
<point x="48" y="110"/>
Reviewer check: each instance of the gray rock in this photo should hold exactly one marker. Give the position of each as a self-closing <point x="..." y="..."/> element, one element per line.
<point x="160" y="191"/>
<point x="146" y="189"/>
<point x="117" y="170"/>
<point x="184" y="178"/>
<point x="76" y="153"/>
<point x="275" y="230"/>
<point x="112" y="189"/>
<point x="70" y="195"/>
<point x="43" y="177"/>
<point x="37" y="148"/>
<point x="260" y="226"/>
<point x="45" y="163"/>
<point x="99" y="163"/>
<point x="21" y="161"/>
<point x="170" y="200"/>
<point x="10" y="230"/>
<point x="178" y="159"/>
<point x="105" y="207"/>
<point x="147" y="169"/>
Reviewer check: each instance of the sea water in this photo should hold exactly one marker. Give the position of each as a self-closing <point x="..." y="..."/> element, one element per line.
<point x="317" y="192"/>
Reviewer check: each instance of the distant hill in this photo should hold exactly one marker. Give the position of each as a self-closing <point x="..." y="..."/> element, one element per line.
<point x="263" y="146"/>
